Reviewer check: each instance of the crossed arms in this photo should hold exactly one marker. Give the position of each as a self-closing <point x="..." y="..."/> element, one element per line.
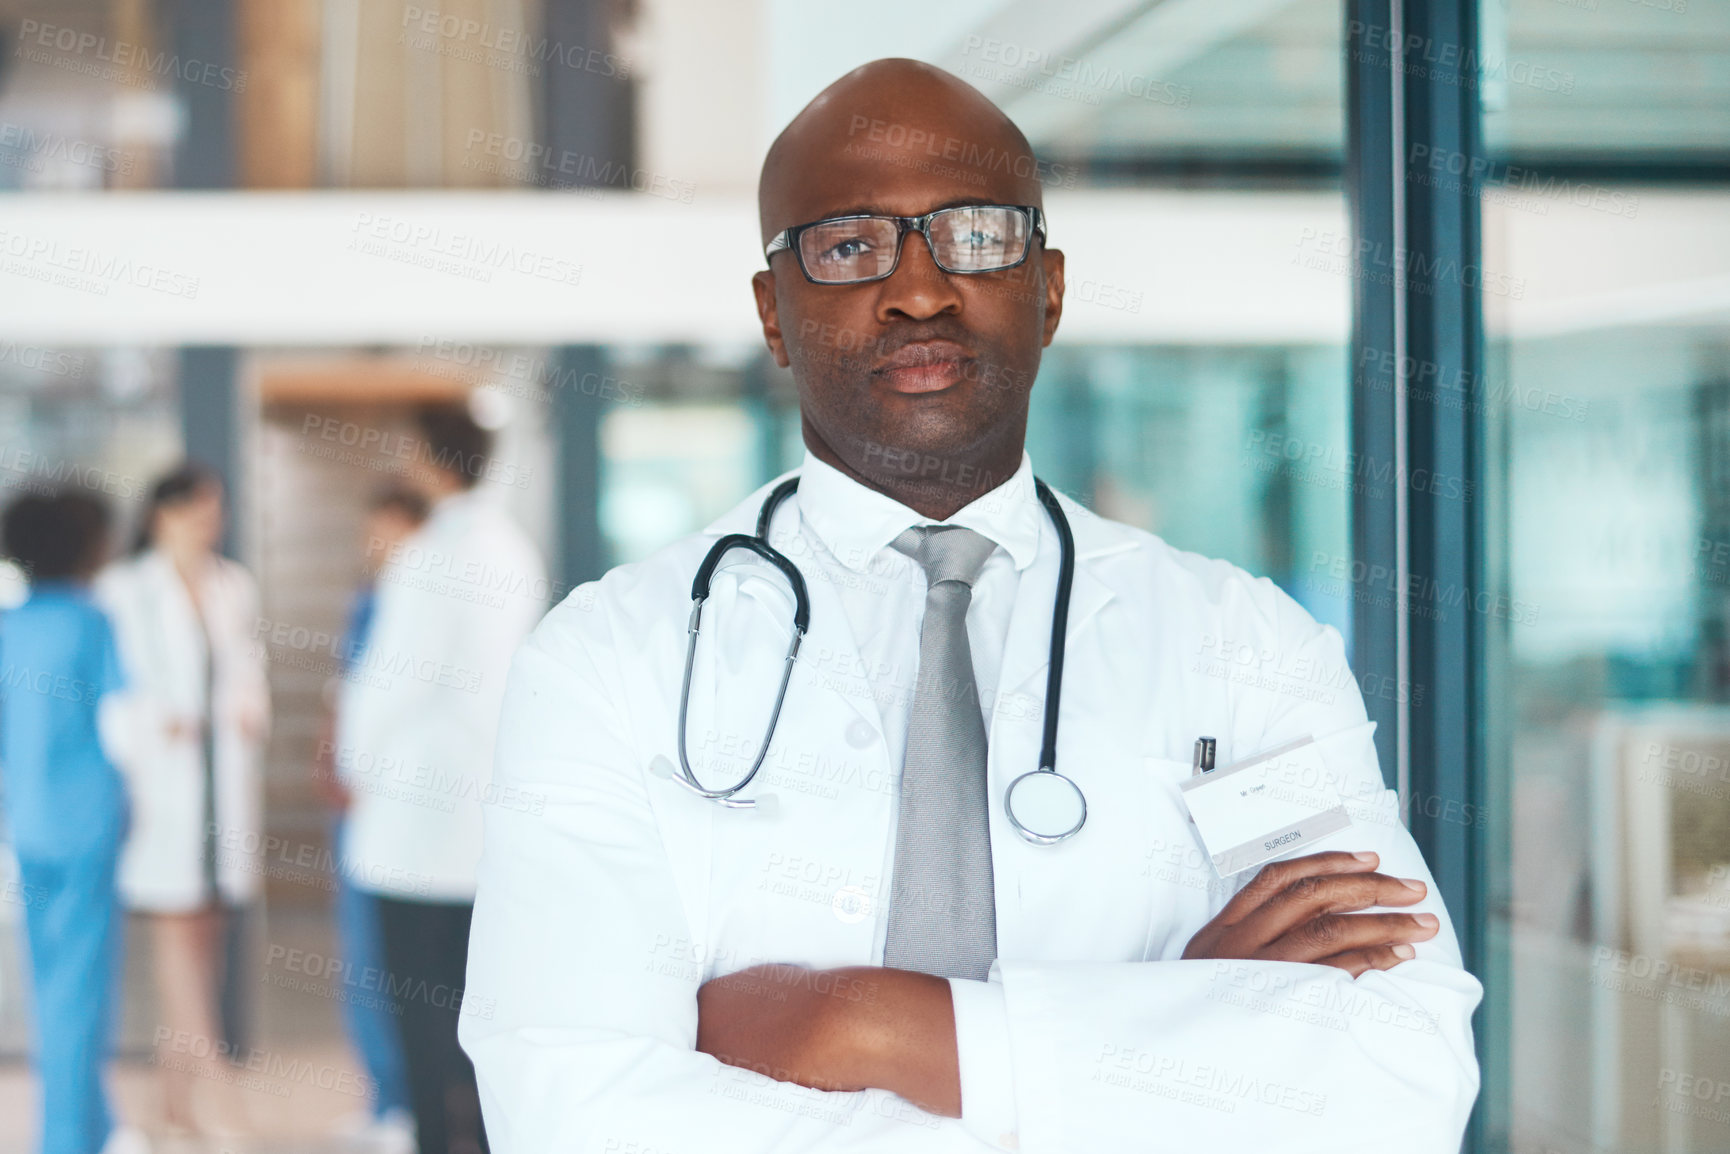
<point x="603" y="1035"/>
<point x="813" y="1027"/>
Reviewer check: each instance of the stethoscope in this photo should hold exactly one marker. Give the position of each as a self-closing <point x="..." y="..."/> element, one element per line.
<point x="1044" y="806"/>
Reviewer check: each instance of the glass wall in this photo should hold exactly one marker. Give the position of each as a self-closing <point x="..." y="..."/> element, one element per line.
<point x="1608" y="406"/>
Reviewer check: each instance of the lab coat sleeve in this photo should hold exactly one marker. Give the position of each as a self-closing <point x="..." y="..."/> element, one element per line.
<point x="1240" y="1056"/>
<point x="982" y="1059"/>
<point x="580" y="1013"/>
<point x="110" y="677"/>
<point x="132" y="722"/>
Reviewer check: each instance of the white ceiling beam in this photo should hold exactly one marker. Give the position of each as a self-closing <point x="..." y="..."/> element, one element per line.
<point x="327" y="269"/>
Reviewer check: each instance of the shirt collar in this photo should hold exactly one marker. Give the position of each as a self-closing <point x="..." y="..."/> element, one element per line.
<point x="857" y="522"/>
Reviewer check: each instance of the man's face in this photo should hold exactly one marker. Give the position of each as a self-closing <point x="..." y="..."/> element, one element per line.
<point x="923" y="371"/>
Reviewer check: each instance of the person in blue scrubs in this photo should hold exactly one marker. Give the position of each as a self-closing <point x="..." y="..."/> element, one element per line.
<point x="368" y="1013"/>
<point x="66" y="806"/>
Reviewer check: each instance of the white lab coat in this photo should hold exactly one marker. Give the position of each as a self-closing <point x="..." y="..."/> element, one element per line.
<point x="419" y="710"/>
<point x="163" y="650"/>
<point x="604" y="906"/>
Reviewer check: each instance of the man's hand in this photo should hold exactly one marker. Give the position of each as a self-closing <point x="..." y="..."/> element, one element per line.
<point x="843" y="1029"/>
<point x="1304" y="910"/>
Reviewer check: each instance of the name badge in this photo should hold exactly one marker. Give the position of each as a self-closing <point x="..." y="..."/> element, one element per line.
<point x="1265" y="806"/>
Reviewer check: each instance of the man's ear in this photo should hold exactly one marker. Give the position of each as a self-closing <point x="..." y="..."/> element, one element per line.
<point x="763" y="285"/>
<point x="1053" y="258"/>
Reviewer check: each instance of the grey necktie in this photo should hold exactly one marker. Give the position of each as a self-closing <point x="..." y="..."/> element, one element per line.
<point x="942" y="910"/>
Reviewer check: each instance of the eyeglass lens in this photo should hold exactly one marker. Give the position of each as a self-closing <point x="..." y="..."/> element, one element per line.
<point x="968" y="239"/>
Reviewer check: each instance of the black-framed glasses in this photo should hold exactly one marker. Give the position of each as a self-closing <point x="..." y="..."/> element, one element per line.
<point x="970" y="238"/>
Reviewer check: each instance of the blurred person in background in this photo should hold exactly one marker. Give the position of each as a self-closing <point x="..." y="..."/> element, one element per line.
<point x="197" y="712"/>
<point x="414" y="746"/>
<point x="368" y="1013"/>
<point x="66" y="809"/>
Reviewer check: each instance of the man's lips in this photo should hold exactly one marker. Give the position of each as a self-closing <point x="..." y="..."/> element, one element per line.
<point x="923" y="366"/>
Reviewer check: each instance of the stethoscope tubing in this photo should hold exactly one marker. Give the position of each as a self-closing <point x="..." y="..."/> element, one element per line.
<point x="758" y="543"/>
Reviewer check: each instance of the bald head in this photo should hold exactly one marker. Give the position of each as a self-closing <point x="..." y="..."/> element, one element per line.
<point x="883" y="126"/>
<point x="914" y="382"/>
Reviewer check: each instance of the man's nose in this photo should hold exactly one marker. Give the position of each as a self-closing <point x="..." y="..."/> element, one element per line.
<point x="917" y="288"/>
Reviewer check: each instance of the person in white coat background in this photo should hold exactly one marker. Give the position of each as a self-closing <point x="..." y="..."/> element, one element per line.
<point x="194" y="724"/>
<point x="666" y="974"/>
<point x="416" y="723"/>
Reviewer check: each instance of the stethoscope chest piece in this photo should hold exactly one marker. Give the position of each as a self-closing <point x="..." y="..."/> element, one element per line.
<point x="1045" y="807"/>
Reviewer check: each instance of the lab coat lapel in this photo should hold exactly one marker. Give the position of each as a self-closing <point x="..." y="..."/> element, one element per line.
<point x="800" y="879"/>
<point x="179" y="636"/>
<point x="1027" y="650"/>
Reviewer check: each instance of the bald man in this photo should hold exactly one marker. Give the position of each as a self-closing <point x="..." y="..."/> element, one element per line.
<point x="872" y="958"/>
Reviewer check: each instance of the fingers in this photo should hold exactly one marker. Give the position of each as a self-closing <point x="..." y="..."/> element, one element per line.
<point x="1334" y="934"/>
<point x="1315" y="895"/>
<point x="1276" y="877"/>
<point x="1360" y="962"/>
